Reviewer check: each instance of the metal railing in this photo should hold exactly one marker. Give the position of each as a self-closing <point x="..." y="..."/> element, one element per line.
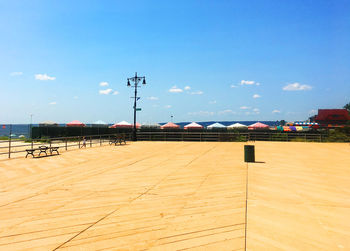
<point x="14" y="146"/>
<point x="229" y="137"/>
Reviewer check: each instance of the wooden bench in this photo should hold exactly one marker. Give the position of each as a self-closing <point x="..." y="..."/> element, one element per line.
<point x="43" y="149"/>
<point x="118" y="139"/>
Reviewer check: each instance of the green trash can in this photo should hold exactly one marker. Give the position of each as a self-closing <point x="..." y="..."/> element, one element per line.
<point x="249" y="153"/>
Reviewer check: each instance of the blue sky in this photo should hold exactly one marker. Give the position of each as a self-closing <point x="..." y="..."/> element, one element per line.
<point x="203" y="60"/>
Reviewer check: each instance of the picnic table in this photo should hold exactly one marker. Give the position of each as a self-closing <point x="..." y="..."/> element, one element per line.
<point x="117" y="139"/>
<point x="43" y="149"/>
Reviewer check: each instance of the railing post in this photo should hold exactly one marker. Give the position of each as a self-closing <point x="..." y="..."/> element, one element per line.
<point x="100" y="141"/>
<point x="31" y="143"/>
<point x="10" y="141"/>
<point x="79" y="141"/>
<point x="90" y="141"/>
<point x="66" y="143"/>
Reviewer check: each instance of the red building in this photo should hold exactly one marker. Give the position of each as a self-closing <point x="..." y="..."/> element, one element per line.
<point x="334" y="117"/>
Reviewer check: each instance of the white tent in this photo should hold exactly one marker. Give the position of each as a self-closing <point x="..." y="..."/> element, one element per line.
<point x="123" y="124"/>
<point x="193" y="125"/>
<point x="216" y="125"/>
<point x="48" y="123"/>
<point x="99" y="123"/>
<point x="155" y="125"/>
<point x="237" y="125"/>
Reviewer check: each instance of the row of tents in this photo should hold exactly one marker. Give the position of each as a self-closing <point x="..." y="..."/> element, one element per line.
<point x="169" y="125"/>
<point x="192" y="126"/>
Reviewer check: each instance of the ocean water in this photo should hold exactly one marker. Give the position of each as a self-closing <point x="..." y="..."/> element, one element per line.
<point x="24" y="129"/>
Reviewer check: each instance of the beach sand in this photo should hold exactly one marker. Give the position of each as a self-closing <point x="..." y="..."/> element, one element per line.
<point x="178" y="196"/>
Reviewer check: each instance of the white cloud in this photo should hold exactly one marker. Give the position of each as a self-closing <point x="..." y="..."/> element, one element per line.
<point x="256" y="110"/>
<point x="104" y="84"/>
<point x="257" y="84"/>
<point x="105" y="92"/>
<point x="115" y="93"/>
<point x="228" y="111"/>
<point x="44" y="77"/>
<point x="244" y="107"/>
<point x="152" y="98"/>
<point x="212" y="102"/>
<point x="16" y="73"/>
<point x="187" y="88"/>
<point x="167" y="106"/>
<point x="297" y="87"/>
<point x="75" y="97"/>
<point x="53" y="103"/>
<point x="276" y="111"/>
<point x="197" y="93"/>
<point x="201" y="113"/>
<point x="256" y="96"/>
<point x="174" y="89"/>
<point x="247" y="82"/>
<point x="234" y="86"/>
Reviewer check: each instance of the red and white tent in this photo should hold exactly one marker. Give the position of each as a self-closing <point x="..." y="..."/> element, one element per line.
<point x="122" y="124"/>
<point x="76" y="123"/>
<point x="258" y="125"/>
<point x="170" y="125"/>
<point x="193" y="125"/>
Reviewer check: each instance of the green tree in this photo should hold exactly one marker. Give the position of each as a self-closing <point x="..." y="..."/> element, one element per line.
<point x="347" y="107"/>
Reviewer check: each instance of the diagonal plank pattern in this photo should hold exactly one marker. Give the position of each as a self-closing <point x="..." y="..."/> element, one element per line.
<point x="178" y="196"/>
<point x="145" y="195"/>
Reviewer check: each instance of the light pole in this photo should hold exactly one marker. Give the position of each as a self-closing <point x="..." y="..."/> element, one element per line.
<point x="171" y="118"/>
<point x="136" y="81"/>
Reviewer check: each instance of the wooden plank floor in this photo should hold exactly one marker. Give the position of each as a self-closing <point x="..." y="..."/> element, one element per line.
<point x="178" y="196"/>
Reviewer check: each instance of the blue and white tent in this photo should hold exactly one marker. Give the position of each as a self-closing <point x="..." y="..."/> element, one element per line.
<point x="216" y="125"/>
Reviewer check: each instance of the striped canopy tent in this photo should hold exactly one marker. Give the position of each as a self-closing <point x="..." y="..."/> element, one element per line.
<point x="76" y="123"/>
<point x="237" y="125"/>
<point x="170" y="125"/>
<point x="216" y="125"/>
<point x="99" y="123"/>
<point x="122" y="124"/>
<point x="48" y="123"/>
<point x="193" y="125"/>
<point x="258" y="125"/>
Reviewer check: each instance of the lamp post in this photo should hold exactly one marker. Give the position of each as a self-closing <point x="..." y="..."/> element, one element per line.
<point x="135" y="81"/>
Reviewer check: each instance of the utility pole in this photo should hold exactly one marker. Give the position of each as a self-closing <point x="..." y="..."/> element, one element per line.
<point x="135" y="81"/>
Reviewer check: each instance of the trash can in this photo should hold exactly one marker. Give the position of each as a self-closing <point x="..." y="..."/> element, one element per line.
<point x="249" y="153"/>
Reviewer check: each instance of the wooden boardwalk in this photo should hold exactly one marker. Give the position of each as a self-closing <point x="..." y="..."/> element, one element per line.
<point x="178" y="196"/>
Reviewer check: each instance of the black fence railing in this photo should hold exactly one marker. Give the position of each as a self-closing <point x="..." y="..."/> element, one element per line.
<point x="229" y="137"/>
<point x="11" y="147"/>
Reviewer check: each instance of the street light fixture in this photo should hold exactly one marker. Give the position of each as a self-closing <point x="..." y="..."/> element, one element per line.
<point x="135" y="81"/>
